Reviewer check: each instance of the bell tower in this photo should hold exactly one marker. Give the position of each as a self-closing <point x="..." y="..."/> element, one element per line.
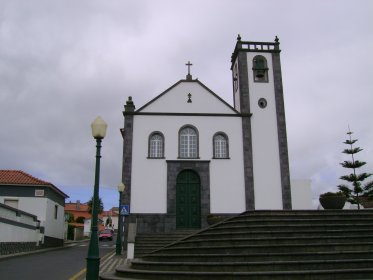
<point x="258" y="96"/>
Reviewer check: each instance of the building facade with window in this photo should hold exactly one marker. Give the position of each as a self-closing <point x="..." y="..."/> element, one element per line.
<point x="22" y="191"/>
<point x="187" y="153"/>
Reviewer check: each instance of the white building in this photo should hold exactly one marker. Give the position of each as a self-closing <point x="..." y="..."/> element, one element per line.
<point x="187" y="153"/>
<point x="42" y="199"/>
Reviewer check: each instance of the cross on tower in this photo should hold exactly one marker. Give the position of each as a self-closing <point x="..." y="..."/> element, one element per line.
<point x="189" y="77"/>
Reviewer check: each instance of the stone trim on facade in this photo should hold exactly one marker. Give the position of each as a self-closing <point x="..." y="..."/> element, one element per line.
<point x="246" y="130"/>
<point x="202" y="167"/>
<point x="127" y="133"/>
<point x="281" y="130"/>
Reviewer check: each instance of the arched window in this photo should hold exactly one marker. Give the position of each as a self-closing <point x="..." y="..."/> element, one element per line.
<point x="260" y="69"/>
<point x="188" y="142"/>
<point x="220" y="144"/>
<point x="156" y="145"/>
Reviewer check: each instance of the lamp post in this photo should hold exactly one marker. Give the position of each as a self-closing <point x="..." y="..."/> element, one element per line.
<point x="93" y="259"/>
<point x="121" y="188"/>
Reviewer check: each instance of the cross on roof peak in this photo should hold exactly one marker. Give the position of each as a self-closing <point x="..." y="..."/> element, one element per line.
<point x="189" y="77"/>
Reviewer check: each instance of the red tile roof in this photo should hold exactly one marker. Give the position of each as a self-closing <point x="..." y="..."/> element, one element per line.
<point x="18" y="177"/>
<point x="111" y="212"/>
<point x="73" y="207"/>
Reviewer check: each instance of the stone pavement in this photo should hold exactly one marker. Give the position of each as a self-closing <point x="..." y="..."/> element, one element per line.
<point x="107" y="263"/>
<point x="111" y="262"/>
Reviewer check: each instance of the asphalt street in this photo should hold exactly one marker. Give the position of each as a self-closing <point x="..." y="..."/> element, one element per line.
<point x="56" y="264"/>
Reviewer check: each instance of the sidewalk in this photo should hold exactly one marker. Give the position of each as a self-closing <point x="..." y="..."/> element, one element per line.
<point x="108" y="263"/>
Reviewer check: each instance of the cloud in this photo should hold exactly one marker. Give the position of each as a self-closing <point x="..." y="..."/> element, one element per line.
<point x="65" y="62"/>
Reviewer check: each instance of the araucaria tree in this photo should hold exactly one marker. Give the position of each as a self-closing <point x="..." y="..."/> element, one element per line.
<point x="356" y="189"/>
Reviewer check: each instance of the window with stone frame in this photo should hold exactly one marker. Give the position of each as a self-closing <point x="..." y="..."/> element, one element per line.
<point x="220" y="145"/>
<point x="188" y="142"/>
<point x="156" y="145"/>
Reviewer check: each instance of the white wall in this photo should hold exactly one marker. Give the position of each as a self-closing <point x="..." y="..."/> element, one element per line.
<point x="149" y="176"/>
<point x="11" y="233"/>
<point x="43" y="208"/>
<point x="266" y="167"/>
<point x="14" y="233"/>
<point x="54" y="227"/>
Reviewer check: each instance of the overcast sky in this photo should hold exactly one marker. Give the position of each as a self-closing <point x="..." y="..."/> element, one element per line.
<point x="62" y="63"/>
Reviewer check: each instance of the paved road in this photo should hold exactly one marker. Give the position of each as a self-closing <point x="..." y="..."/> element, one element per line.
<point x="57" y="264"/>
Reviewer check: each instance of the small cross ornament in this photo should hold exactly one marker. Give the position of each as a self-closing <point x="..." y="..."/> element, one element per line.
<point x="189" y="98"/>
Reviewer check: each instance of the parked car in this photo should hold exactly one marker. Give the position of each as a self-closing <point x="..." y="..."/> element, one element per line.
<point x="105" y="234"/>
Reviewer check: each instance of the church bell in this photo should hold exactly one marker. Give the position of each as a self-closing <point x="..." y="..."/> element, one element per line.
<point x="260" y="68"/>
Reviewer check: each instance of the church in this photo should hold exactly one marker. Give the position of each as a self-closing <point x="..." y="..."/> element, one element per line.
<point x="188" y="154"/>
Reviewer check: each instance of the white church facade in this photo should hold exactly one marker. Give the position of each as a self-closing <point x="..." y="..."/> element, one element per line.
<point x="187" y="153"/>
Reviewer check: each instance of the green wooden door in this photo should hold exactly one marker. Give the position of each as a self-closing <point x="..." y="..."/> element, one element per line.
<point x="188" y="200"/>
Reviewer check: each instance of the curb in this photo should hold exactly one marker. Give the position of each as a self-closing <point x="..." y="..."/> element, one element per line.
<point x="103" y="263"/>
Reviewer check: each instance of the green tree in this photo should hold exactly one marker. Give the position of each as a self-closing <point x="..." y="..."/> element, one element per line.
<point x="356" y="187"/>
<point x="69" y="217"/>
<point x="80" y="220"/>
<point x="100" y="205"/>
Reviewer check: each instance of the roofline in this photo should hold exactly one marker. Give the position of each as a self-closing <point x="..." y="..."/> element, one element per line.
<point x="250" y="46"/>
<point x="174" y="85"/>
<point x="49" y="185"/>
<point x="186" y="114"/>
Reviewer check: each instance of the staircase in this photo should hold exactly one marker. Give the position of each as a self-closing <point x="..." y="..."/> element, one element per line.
<point x="147" y="243"/>
<point x="258" y="245"/>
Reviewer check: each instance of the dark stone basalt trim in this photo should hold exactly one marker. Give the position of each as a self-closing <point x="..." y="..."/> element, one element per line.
<point x="202" y="167"/>
<point x="246" y="130"/>
<point x="154" y="223"/>
<point x="127" y="133"/>
<point x="19" y="212"/>
<point x="7" y="248"/>
<point x="258" y="47"/>
<point x="182" y="114"/>
<point x="195" y="81"/>
<point x="281" y="129"/>
<point x="163" y="144"/>
<point x="29" y="191"/>
<point x="52" y="242"/>
<point x="16" y="223"/>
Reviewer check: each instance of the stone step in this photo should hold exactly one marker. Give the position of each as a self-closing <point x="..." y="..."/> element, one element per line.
<point x="291" y="245"/>
<point x="320" y="239"/>
<point x="274" y="248"/>
<point x="244" y="232"/>
<point x="253" y="227"/>
<point x="299" y="256"/>
<point x="242" y="266"/>
<point x="274" y="213"/>
<point x="124" y="272"/>
<point x="296" y="221"/>
<point x="147" y="243"/>
<point x="160" y="236"/>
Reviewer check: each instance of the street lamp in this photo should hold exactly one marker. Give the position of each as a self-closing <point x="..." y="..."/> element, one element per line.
<point x="121" y="188"/>
<point x="93" y="259"/>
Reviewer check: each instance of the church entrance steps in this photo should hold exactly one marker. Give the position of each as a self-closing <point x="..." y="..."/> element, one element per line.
<point x="266" y="245"/>
<point x="294" y="248"/>
<point x="345" y="274"/>
<point x="251" y="266"/>
<point x="149" y="242"/>
<point x="285" y="233"/>
<point x="291" y="228"/>
<point x="338" y="255"/>
<point x="275" y="241"/>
